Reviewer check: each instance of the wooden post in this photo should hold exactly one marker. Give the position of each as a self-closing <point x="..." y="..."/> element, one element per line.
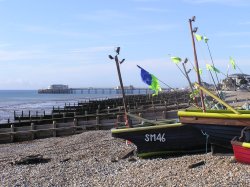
<point x="119" y="120"/>
<point x="12" y="129"/>
<point x="64" y="117"/>
<point x="121" y="83"/>
<point x="140" y="115"/>
<point x="54" y="129"/>
<point x="164" y="114"/>
<point x="196" y="63"/>
<point x="75" y="123"/>
<point x="97" y="123"/>
<point x="32" y="127"/>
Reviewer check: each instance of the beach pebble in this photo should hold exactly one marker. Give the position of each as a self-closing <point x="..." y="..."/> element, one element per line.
<point x="91" y="159"/>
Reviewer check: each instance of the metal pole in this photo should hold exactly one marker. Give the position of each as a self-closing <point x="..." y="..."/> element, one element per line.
<point x="197" y="65"/>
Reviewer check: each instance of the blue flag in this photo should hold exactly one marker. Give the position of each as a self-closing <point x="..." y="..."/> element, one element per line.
<point x="150" y="80"/>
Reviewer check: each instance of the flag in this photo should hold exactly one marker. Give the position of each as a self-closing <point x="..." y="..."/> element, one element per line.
<point x="232" y="62"/>
<point x="212" y="68"/>
<point x="198" y="37"/>
<point x="200" y="70"/>
<point x="150" y="80"/>
<point x="205" y="39"/>
<point x="175" y="59"/>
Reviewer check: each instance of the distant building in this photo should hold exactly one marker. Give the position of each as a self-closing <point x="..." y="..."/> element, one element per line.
<point x="234" y="81"/>
<point x="58" y="87"/>
<point x="130" y="87"/>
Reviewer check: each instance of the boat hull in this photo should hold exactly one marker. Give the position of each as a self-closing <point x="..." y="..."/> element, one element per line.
<point x="221" y="127"/>
<point x="163" y="139"/>
<point x="241" y="154"/>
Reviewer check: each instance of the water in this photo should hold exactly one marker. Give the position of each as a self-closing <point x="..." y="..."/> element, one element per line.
<point x="30" y="100"/>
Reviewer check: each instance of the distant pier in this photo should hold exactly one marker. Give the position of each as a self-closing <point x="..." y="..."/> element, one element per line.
<point x="95" y="91"/>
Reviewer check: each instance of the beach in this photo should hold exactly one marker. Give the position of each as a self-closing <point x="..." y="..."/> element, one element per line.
<point x="92" y="159"/>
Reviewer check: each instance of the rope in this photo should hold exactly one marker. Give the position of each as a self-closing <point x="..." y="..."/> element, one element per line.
<point x="207" y="136"/>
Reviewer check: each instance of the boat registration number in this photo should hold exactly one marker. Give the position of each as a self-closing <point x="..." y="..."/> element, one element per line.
<point x="155" y="137"/>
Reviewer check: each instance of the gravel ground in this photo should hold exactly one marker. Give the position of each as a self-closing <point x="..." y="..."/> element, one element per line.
<point x="85" y="160"/>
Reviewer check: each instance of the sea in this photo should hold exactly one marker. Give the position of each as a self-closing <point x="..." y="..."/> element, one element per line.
<point x="30" y="100"/>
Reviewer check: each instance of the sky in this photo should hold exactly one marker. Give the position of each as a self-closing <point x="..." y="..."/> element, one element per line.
<point x="44" y="42"/>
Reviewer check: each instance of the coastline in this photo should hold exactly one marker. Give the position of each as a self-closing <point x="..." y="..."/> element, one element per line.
<point x="90" y="159"/>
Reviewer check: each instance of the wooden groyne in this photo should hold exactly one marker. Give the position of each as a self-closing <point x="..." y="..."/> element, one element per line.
<point x="91" y="115"/>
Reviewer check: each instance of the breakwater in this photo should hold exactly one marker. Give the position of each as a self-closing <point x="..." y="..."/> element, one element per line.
<point x="89" y="115"/>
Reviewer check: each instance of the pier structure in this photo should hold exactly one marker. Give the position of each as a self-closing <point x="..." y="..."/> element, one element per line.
<point x="91" y="90"/>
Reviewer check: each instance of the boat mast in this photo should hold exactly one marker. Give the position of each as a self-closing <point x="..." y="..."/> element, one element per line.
<point x="196" y="61"/>
<point x="121" y="83"/>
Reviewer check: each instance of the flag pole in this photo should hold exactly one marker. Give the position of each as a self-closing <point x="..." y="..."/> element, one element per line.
<point x="212" y="62"/>
<point x="196" y="61"/>
<point x="121" y="83"/>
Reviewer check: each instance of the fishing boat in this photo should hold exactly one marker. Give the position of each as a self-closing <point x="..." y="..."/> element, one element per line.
<point x="241" y="147"/>
<point x="221" y="125"/>
<point x="163" y="139"/>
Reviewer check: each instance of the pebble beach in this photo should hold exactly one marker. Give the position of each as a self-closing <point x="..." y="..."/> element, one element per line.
<point x="92" y="159"/>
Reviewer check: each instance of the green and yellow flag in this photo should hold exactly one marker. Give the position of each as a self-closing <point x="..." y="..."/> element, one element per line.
<point x="205" y="39"/>
<point x="232" y="62"/>
<point x="198" y="37"/>
<point x="200" y="71"/>
<point x="175" y="59"/>
<point x="212" y="68"/>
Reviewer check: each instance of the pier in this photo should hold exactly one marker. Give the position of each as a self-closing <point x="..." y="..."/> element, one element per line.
<point x="91" y="90"/>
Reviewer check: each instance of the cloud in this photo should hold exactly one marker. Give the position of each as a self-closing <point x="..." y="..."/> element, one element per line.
<point x="243" y="46"/>
<point x="88" y="55"/>
<point x="57" y="32"/>
<point x="245" y="23"/>
<point x="103" y="16"/>
<point x="230" y="34"/>
<point x="143" y="1"/>
<point x="93" y="49"/>
<point x="222" y="2"/>
<point x="151" y="9"/>
<point x="10" y="55"/>
<point x="146" y="29"/>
